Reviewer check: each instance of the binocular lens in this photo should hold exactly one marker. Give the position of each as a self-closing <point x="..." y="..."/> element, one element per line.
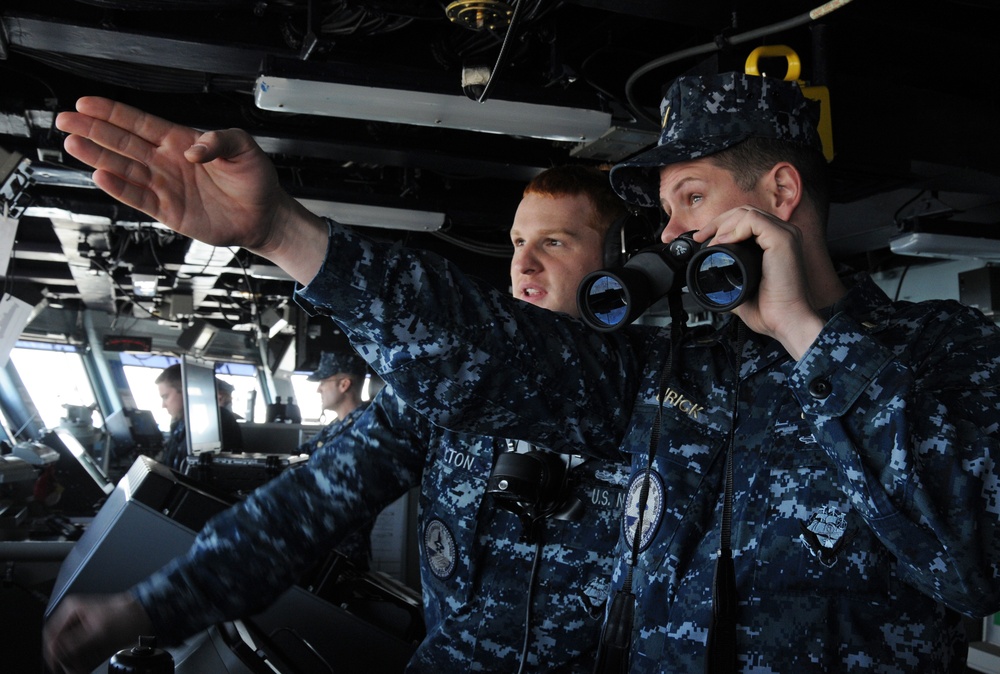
<point x="607" y="301"/>
<point x="718" y="279"/>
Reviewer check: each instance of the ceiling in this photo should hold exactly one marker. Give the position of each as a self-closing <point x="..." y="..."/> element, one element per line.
<point x="913" y="108"/>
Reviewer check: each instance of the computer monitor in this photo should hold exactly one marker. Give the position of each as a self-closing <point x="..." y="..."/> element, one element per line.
<point x="85" y="486"/>
<point x="118" y="427"/>
<point x="133" y="428"/>
<point x="144" y="428"/>
<point x="201" y="406"/>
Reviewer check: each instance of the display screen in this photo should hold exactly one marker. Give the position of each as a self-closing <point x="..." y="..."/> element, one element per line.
<point x="201" y="406"/>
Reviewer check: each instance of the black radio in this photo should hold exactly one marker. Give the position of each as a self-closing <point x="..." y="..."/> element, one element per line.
<point x="533" y="485"/>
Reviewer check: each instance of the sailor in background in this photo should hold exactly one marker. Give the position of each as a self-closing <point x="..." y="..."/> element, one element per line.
<point x="341" y="376"/>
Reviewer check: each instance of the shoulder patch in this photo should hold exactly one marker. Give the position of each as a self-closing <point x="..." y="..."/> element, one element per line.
<point x="439" y="549"/>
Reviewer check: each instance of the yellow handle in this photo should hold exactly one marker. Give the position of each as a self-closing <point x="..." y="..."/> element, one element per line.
<point x="821" y="94"/>
<point x="771" y="51"/>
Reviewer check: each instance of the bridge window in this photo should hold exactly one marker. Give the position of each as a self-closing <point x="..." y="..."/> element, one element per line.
<point x="56" y="381"/>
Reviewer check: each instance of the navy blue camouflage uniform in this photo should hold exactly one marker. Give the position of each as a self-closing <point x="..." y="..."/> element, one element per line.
<point x="174" y="451"/>
<point x="330" y="431"/>
<point x="866" y="484"/>
<point x="357" y="547"/>
<point x="476" y="572"/>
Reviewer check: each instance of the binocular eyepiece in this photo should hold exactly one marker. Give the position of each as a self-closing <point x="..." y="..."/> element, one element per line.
<point x="719" y="278"/>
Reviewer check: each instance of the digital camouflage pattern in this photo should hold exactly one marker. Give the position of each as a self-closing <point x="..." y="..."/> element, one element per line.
<point x="174" y="453"/>
<point x="700" y="116"/>
<point x="357" y="547"/>
<point x="475" y="570"/>
<point x="865" y="519"/>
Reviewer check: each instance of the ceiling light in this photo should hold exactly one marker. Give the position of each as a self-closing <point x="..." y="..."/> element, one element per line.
<point x="364" y="215"/>
<point x="269" y="272"/>
<point x="422" y="108"/>
<point x="197" y="337"/>
<point x="276" y="328"/>
<point x="15" y="177"/>
<point x="273" y="320"/>
<point x="947" y="246"/>
<point x="144" y="285"/>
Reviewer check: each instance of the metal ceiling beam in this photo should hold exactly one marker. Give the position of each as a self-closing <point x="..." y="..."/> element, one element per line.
<point x="97" y="290"/>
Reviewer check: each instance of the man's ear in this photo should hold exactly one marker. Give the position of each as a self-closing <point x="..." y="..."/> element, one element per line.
<point x="784" y="189"/>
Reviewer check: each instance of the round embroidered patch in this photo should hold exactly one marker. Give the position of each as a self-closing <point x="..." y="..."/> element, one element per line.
<point x="652" y="513"/>
<point x="439" y="548"/>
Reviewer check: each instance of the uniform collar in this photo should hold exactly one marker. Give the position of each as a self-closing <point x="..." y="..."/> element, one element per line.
<point x="864" y="300"/>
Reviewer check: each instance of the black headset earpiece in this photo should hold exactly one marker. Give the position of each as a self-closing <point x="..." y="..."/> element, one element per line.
<point x="629" y="233"/>
<point x="614" y="242"/>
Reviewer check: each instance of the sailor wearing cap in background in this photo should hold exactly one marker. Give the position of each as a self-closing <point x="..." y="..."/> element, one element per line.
<point x="341" y="377"/>
<point x="232" y="435"/>
<point x="224" y="395"/>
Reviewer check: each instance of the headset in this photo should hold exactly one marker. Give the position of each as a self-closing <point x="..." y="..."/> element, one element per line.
<point x="633" y="231"/>
<point x="534" y="485"/>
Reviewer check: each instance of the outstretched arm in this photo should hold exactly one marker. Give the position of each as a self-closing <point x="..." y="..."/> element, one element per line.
<point x="217" y="187"/>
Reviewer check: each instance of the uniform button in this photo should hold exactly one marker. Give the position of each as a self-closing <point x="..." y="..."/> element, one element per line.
<point x="819" y="388"/>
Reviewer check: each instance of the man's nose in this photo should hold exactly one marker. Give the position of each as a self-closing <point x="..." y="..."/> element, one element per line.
<point x="525" y="262"/>
<point x="673" y="229"/>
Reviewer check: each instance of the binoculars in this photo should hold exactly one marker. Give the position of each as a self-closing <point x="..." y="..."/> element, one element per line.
<point x="719" y="278"/>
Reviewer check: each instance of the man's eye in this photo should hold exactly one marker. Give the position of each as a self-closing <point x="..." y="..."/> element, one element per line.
<point x="695" y="198"/>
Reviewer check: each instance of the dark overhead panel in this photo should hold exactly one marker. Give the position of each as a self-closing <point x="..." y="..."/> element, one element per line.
<point x="364" y="107"/>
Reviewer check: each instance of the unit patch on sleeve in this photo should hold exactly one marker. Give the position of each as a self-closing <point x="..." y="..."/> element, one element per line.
<point x="439" y="548"/>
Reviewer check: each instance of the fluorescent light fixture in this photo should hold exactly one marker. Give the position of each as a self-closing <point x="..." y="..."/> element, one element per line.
<point x="269" y="271"/>
<point x="15" y="177"/>
<point x="616" y="144"/>
<point x="421" y="108"/>
<point x="275" y="319"/>
<point x="197" y="337"/>
<point x="277" y="327"/>
<point x="364" y="215"/>
<point x="946" y="246"/>
<point x="144" y="285"/>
